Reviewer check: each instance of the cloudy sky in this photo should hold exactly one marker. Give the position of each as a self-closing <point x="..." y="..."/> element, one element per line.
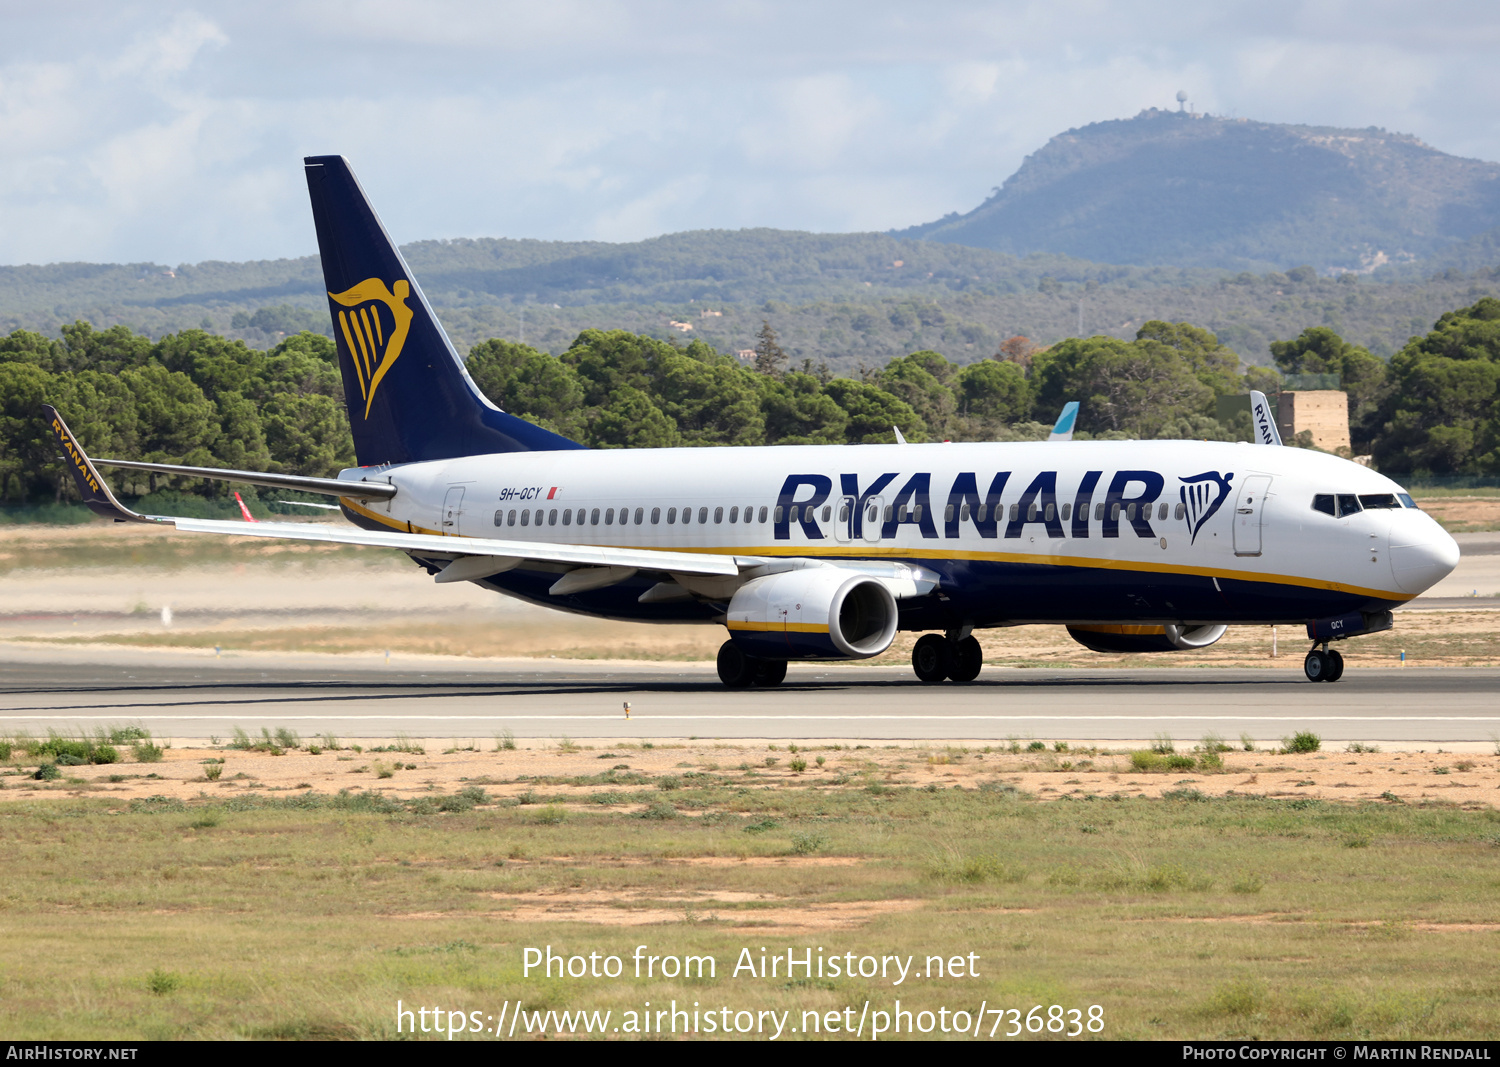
<point x="173" y="132"/>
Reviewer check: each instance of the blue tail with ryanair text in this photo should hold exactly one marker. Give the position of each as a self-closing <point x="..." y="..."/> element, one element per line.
<point x="409" y="397"/>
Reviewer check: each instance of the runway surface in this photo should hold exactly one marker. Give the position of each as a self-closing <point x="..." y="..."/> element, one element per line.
<point x="188" y="697"/>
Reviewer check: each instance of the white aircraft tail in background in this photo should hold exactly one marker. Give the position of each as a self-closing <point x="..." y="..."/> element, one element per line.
<point x="1260" y="416"/>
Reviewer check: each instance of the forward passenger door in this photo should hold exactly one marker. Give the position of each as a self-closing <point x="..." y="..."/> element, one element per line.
<point x="1248" y="510"/>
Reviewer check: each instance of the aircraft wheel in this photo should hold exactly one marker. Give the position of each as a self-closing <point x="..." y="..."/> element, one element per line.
<point x="769" y="672"/>
<point x="736" y="670"/>
<point x="930" y="658"/>
<point x="1317" y="666"/>
<point x="1335" y="666"/>
<point x="968" y="658"/>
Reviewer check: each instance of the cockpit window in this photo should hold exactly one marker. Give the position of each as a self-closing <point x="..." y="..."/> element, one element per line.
<point x="1406" y="500"/>
<point x="1348" y="504"/>
<point x="1378" y="500"/>
<point x="1323" y="502"/>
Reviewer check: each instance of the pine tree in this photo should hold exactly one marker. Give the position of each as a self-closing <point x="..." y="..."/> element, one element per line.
<point x="770" y="359"/>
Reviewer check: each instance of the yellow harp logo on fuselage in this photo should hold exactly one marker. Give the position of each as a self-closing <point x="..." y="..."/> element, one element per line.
<point x="374" y="327"/>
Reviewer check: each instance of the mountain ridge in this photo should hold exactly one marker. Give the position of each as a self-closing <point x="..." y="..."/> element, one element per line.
<point x="1231" y="194"/>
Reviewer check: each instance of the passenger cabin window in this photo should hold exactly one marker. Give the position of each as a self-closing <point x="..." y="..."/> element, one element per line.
<point x="671" y="516"/>
<point x="499" y="518"/>
<point x="762" y="514"/>
<point x="827" y="512"/>
<point x="718" y="515"/>
<point x="567" y="516"/>
<point x="780" y="512"/>
<point x="552" y="517"/>
<point x="655" y="516"/>
<point x="594" y="517"/>
<point x="510" y="520"/>
<point x="1375" y="501"/>
<point x="702" y="515"/>
<point x="1180" y="510"/>
<point x="734" y="515"/>
<point x="1099" y="511"/>
<point x="1067" y="510"/>
<point x="526" y="518"/>
<point x="1348" y="504"/>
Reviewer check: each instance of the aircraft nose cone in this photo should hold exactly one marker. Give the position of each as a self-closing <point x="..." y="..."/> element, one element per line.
<point x="1417" y="568"/>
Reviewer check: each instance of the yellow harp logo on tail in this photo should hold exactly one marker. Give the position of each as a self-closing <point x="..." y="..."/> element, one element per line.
<point x="374" y="327"/>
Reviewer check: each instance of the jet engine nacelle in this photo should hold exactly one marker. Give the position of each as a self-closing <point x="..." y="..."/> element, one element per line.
<point x="815" y="613"/>
<point x="1168" y="638"/>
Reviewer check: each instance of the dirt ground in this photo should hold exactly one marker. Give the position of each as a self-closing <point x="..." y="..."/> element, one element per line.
<point x="536" y="772"/>
<point x="1464" y="513"/>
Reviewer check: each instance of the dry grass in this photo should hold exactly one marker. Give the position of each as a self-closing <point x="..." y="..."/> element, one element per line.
<point x="213" y="913"/>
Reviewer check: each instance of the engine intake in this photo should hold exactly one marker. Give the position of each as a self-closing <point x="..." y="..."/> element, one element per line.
<point x="1101" y="637"/>
<point x="815" y="613"/>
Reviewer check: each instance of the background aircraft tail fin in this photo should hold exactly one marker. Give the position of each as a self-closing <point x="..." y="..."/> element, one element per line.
<point x="1063" y="431"/>
<point x="409" y="396"/>
<point x="1261" y="421"/>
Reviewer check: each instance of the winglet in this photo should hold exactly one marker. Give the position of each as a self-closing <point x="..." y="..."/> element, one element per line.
<point x="1266" y="432"/>
<point x="1063" y="431"/>
<point x="900" y="440"/>
<point x="90" y="486"/>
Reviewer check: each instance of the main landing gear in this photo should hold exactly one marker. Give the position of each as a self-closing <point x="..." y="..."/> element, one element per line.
<point x="1323" y="665"/>
<point x="936" y="657"/>
<point x="737" y="670"/>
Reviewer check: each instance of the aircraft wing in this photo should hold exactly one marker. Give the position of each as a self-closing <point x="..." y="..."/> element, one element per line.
<point x="473" y="557"/>
<point x="500" y="551"/>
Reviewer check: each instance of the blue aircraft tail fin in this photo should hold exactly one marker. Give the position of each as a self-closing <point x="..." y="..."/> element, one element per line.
<point x="1063" y="430"/>
<point x="409" y="396"/>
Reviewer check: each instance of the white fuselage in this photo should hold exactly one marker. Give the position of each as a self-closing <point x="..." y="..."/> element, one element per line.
<point x="1148" y="530"/>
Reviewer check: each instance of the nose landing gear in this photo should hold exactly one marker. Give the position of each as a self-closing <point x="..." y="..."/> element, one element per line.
<point x="1323" y="665"/>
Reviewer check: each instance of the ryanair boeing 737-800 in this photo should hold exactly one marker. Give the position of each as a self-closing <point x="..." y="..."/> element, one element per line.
<point x="824" y="552"/>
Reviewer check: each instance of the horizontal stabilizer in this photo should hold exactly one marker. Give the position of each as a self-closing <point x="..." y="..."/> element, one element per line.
<point x="326" y="486"/>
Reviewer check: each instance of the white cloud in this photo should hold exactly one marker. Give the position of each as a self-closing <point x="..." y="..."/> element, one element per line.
<point x="174" y="132"/>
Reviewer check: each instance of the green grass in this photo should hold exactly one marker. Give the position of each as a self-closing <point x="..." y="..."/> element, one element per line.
<point x="309" y="916"/>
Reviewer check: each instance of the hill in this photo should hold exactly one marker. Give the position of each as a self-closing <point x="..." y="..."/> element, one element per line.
<point x="1234" y="194"/>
